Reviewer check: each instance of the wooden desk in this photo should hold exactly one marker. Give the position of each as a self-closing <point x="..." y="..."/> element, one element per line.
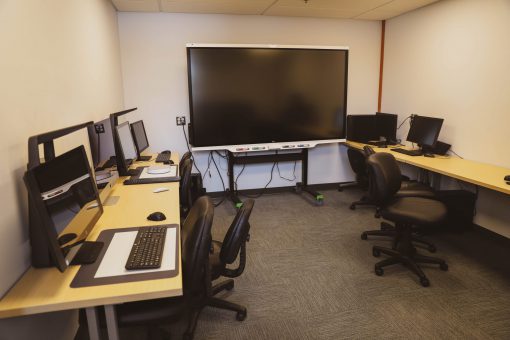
<point x="481" y="174"/>
<point x="47" y="289"/>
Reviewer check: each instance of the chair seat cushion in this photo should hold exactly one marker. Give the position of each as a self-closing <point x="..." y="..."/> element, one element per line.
<point x="214" y="260"/>
<point x="415" y="210"/>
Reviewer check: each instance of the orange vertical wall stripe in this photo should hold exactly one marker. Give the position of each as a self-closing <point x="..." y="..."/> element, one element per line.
<point x="381" y="65"/>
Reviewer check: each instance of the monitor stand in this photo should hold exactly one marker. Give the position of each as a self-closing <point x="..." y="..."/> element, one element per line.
<point x="87" y="253"/>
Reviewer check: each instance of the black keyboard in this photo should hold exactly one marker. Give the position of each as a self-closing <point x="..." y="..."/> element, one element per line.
<point x="163" y="157"/>
<point x="147" y="250"/>
<point x="133" y="181"/>
<point x="408" y="152"/>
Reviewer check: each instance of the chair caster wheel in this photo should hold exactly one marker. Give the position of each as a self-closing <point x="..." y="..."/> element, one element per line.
<point x="376" y="253"/>
<point x="443" y="266"/>
<point x="230" y="286"/>
<point x="424" y="282"/>
<point x="352" y="207"/>
<point x="240" y="316"/>
<point x="432" y="249"/>
<point x="379" y="271"/>
<point x="377" y="215"/>
<point x="364" y="236"/>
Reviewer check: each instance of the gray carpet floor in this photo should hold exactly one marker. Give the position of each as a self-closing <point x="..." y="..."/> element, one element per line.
<point x="310" y="276"/>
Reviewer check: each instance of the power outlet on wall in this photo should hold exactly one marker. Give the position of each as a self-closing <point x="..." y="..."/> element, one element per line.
<point x="99" y="128"/>
<point x="180" y="120"/>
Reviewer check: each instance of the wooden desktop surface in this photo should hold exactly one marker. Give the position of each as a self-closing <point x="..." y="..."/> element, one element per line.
<point x="481" y="174"/>
<point x="47" y="289"/>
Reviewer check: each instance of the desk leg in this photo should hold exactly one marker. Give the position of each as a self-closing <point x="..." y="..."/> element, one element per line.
<point x="92" y="323"/>
<point x="111" y="322"/>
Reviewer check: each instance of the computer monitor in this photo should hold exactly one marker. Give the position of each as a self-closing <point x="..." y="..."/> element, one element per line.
<point x="122" y="165"/>
<point x="424" y="131"/>
<point x="386" y="126"/>
<point x="127" y="151"/>
<point x="64" y="207"/>
<point x="139" y="137"/>
<point x="101" y="143"/>
<point x="361" y="128"/>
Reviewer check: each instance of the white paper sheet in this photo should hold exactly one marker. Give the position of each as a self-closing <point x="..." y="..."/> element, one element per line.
<point x="114" y="261"/>
<point x="171" y="173"/>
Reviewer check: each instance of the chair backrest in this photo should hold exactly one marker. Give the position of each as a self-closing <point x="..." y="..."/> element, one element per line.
<point x="237" y="233"/>
<point x="187" y="155"/>
<point x="358" y="165"/>
<point x="196" y="243"/>
<point x="185" y="187"/>
<point x="385" y="177"/>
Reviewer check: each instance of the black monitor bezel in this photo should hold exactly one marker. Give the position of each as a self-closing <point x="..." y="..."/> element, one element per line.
<point x="52" y="254"/>
<point x="413" y="126"/>
<point x="138" y="150"/>
<point x="122" y="167"/>
<point x="122" y="161"/>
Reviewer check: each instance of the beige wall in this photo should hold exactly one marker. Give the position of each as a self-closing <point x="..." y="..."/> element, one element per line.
<point x="452" y="60"/>
<point x="155" y="76"/>
<point x="59" y="66"/>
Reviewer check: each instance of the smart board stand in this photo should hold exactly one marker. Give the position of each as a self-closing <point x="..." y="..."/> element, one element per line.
<point x="270" y="158"/>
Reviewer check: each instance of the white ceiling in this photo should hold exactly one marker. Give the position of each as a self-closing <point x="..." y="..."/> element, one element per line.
<point x="340" y="9"/>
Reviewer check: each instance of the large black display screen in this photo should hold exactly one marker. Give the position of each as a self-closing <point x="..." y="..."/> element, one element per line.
<point x="263" y="95"/>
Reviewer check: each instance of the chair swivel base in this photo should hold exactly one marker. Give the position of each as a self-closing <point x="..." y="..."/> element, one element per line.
<point x="223" y="304"/>
<point x="389" y="231"/>
<point x="409" y="258"/>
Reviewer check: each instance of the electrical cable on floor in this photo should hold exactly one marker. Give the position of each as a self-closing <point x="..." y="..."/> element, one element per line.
<point x="222" y="182"/>
<point x="293" y="173"/>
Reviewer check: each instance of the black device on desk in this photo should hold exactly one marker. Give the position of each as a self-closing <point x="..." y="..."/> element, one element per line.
<point x="424" y="131"/>
<point x="147" y="250"/>
<point x="164" y="157"/>
<point x="140" y="139"/>
<point x="370" y="129"/>
<point x="62" y="196"/>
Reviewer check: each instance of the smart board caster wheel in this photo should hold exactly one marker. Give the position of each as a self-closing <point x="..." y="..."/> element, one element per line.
<point x="443" y="266"/>
<point x="352" y="207"/>
<point x="240" y="316"/>
<point x="379" y="271"/>
<point x="424" y="282"/>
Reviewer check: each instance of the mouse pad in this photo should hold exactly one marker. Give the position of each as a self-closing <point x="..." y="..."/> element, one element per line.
<point x="109" y="266"/>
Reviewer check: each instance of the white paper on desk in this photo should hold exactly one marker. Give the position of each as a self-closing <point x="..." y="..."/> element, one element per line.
<point x="171" y="173"/>
<point x="114" y="261"/>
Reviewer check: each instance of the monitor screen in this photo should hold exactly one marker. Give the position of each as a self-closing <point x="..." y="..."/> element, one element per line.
<point x="66" y="198"/>
<point x="126" y="141"/>
<point x="250" y="95"/>
<point x="387" y="125"/>
<point x="139" y="136"/>
<point x="101" y="142"/>
<point x="424" y="131"/>
<point x="362" y="128"/>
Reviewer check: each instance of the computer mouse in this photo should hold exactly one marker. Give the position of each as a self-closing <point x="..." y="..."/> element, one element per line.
<point x="166" y="151"/>
<point x="156" y="216"/>
<point x="168" y="162"/>
<point x="507" y="178"/>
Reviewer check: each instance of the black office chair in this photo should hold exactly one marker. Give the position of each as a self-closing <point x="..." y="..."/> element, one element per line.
<point x="195" y="247"/>
<point x="187" y="155"/>
<point x="407" y="189"/>
<point x="404" y="212"/>
<point x="358" y="166"/>
<point x="225" y="253"/>
<point x="185" y="188"/>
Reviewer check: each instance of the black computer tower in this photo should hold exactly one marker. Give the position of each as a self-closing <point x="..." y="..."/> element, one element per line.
<point x="461" y="208"/>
